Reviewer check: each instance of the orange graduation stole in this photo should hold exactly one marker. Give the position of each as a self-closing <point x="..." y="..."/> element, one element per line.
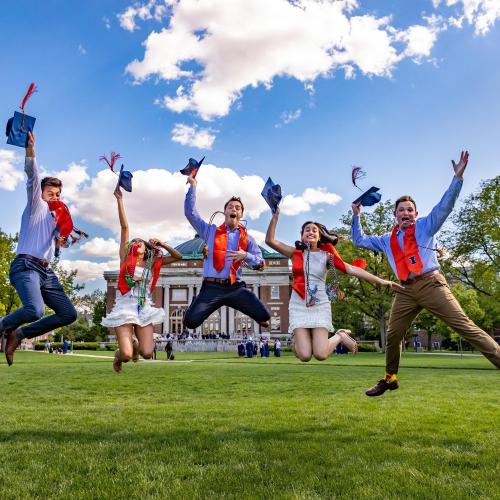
<point x="220" y="248"/>
<point x="407" y="261"/>
<point x="299" y="282"/>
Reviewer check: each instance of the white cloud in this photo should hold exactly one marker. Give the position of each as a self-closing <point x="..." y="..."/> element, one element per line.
<point x="106" y="22"/>
<point x="482" y="14"/>
<point x="288" y="117"/>
<point x="155" y="208"/>
<point x="72" y="178"/>
<point x="10" y="176"/>
<point x="100" y="247"/>
<point x="296" y="204"/>
<point x="239" y="44"/>
<point x="192" y="136"/>
<point x="82" y="50"/>
<point x="88" y="270"/>
<point x="146" y="11"/>
<point x="259" y="236"/>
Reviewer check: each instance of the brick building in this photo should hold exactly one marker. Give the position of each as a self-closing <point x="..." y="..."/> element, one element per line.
<point x="180" y="281"/>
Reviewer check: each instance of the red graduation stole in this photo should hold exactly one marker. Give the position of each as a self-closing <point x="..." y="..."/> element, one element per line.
<point x="299" y="282"/>
<point x="407" y="261"/>
<point x="220" y="248"/>
<point x="129" y="265"/>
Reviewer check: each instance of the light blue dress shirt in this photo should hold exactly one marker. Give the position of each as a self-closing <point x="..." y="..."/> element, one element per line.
<point x="425" y="229"/>
<point x="254" y="255"/>
<point x="37" y="233"/>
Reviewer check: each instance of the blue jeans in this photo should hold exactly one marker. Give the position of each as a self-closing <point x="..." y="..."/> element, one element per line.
<point x="36" y="286"/>
<point x="214" y="295"/>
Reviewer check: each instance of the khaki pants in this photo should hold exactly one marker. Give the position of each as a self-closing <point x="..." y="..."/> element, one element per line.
<point x="433" y="294"/>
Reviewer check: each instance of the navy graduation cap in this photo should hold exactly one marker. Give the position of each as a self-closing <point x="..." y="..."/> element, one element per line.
<point x="20" y="124"/>
<point x="369" y="198"/>
<point x="125" y="180"/>
<point x="272" y="194"/>
<point x="192" y="167"/>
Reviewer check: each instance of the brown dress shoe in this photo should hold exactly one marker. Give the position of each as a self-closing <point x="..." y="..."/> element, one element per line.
<point x="381" y="386"/>
<point x="11" y="346"/>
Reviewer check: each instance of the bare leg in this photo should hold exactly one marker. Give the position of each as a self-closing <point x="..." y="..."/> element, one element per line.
<point x="145" y="336"/>
<point x="303" y="343"/>
<point x="124" y="336"/>
<point x="322" y="345"/>
<point x="125" y="350"/>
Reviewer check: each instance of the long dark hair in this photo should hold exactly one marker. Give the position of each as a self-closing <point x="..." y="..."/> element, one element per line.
<point x="325" y="235"/>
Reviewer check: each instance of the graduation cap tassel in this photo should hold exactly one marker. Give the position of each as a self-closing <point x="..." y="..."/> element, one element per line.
<point x="356" y="174"/>
<point x="112" y="160"/>
<point x="31" y="90"/>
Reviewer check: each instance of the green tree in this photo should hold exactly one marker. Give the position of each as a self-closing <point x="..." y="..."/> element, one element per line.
<point x="365" y="303"/>
<point x="99" y="312"/>
<point x="9" y="299"/>
<point x="473" y="244"/>
<point x="67" y="280"/>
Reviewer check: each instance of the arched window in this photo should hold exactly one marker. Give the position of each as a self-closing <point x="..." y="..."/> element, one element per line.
<point x="244" y="324"/>
<point x="212" y="324"/>
<point x="176" y="326"/>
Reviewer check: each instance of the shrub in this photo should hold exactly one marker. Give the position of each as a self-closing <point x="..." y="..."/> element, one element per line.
<point x="367" y="348"/>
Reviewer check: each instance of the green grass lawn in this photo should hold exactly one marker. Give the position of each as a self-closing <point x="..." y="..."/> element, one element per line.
<point x="222" y="427"/>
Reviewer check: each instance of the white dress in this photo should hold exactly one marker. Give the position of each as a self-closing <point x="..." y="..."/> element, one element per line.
<point x="125" y="309"/>
<point x="320" y="314"/>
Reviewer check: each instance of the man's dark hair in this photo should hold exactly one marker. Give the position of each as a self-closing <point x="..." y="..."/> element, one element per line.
<point x="235" y="198"/>
<point x="406" y="197"/>
<point x="52" y="181"/>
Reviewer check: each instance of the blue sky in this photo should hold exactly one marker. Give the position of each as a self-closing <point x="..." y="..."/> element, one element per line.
<point x="291" y="91"/>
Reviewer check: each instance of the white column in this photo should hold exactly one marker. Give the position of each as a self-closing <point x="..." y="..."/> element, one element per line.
<point x="223" y="322"/>
<point x="166" y="307"/>
<point x="230" y="327"/>
<point x="255" y="324"/>
<point x="190" y="294"/>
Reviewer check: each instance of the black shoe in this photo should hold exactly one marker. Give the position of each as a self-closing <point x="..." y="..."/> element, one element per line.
<point x="381" y="386"/>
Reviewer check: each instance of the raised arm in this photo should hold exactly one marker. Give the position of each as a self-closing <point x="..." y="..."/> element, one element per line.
<point x="358" y="236"/>
<point x="33" y="184"/>
<point x="442" y="210"/>
<point x="271" y="240"/>
<point x="361" y="274"/>
<point x="190" y="211"/>
<point x="174" y="254"/>
<point x="124" y="231"/>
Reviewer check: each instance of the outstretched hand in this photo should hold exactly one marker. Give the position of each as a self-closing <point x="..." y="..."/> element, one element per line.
<point x="192" y="181"/>
<point x="356" y="208"/>
<point x="30" y="148"/>
<point x="118" y="193"/>
<point x="460" y="167"/>
<point x="276" y="214"/>
<point x="392" y="285"/>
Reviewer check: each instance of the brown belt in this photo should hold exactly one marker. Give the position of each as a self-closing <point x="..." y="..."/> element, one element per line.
<point x="220" y="281"/>
<point x="42" y="262"/>
<point x="419" y="277"/>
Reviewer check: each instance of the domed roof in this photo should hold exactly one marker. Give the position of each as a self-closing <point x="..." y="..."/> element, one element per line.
<point x="192" y="249"/>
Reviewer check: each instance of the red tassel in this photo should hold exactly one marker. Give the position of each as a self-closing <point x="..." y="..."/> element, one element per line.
<point x="31" y="90"/>
<point x="111" y="161"/>
<point x="361" y="263"/>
